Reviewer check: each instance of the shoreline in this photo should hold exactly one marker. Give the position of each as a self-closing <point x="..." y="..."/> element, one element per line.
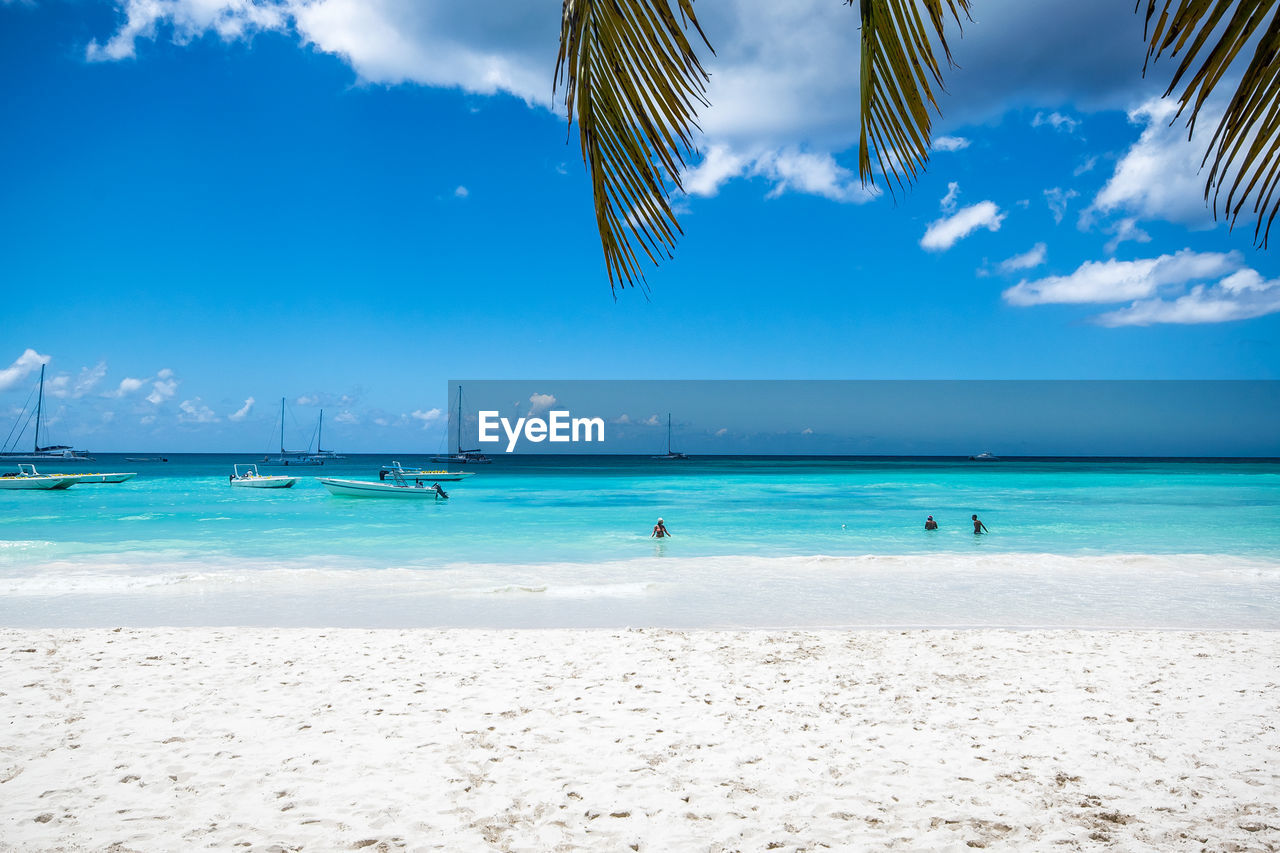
<point x="647" y="739"/>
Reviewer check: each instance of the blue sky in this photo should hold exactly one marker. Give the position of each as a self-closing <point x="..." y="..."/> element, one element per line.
<point x="347" y="203"/>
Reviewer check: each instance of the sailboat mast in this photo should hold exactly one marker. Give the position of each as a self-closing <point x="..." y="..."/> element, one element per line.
<point x="39" y="407"/>
<point x="668" y="433"/>
<point x="459" y="419"/>
<point x="282" y="426"/>
<point x="320" y="431"/>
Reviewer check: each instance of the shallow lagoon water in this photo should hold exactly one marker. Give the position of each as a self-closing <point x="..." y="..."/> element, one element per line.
<point x="564" y="542"/>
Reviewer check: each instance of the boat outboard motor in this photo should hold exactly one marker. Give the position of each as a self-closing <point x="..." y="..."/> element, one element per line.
<point x="382" y="475"/>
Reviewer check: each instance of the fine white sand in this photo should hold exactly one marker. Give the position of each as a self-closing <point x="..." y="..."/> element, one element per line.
<point x="251" y="739"/>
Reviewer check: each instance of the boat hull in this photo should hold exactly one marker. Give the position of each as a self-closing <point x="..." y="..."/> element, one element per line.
<point x="368" y="489"/>
<point x="43" y="481"/>
<point x="425" y="474"/>
<point x="265" y="482"/>
<point x="104" y="478"/>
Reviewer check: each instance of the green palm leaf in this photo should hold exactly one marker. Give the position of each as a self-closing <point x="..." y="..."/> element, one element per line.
<point x="1245" y="147"/>
<point x="895" y="91"/>
<point x="636" y="83"/>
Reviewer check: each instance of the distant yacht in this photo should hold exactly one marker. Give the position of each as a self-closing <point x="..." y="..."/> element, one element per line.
<point x="462" y="457"/>
<point x="291" y="457"/>
<point x="671" y="455"/>
<point x="985" y="456"/>
<point x="323" y="455"/>
<point x="48" y="453"/>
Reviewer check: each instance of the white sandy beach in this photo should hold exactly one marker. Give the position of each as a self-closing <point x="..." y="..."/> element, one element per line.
<point x="253" y="739"/>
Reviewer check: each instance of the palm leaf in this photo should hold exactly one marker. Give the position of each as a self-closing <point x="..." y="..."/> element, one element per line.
<point x="895" y="90"/>
<point x="631" y="73"/>
<point x="1245" y="147"/>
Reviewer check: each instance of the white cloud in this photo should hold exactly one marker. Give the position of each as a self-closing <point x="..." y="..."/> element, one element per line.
<point x="1086" y="166"/>
<point x="428" y="417"/>
<point x="951" y="143"/>
<point x="194" y="411"/>
<point x="652" y="420"/>
<point x="163" y="388"/>
<point x="1029" y="259"/>
<point x="22" y="367"/>
<point x="1240" y="296"/>
<point x="1126" y="229"/>
<point x="461" y="192"/>
<point x="346" y="417"/>
<point x="948" y="203"/>
<point x="540" y="403"/>
<point x="1119" y="281"/>
<point x="788" y="169"/>
<point x="1159" y="177"/>
<point x="242" y="412"/>
<point x="1058" y="199"/>
<point x="722" y="432"/>
<point x="309" y="400"/>
<point x="944" y="233"/>
<point x="88" y="379"/>
<point x="1057" y="121"/>
<point x="127" y="386"/>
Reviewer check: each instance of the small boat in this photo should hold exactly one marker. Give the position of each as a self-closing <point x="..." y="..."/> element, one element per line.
<point x="984" y="457"/>
<point x="118" y="477"/>
<point x="423" y="473"/>
<point x="398" y="487"/>
<point x="26" y="477"/>
<point x="145" y="459"/>
<point x="249" y="478"/>
<point x="462" y="457"/>
<point x="670" y="455"/>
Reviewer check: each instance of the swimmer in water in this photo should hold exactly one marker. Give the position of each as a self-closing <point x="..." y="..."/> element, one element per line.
<point x="930" y="524"/>
<point x="978" y="526"/>
<point x="660" y="530"/>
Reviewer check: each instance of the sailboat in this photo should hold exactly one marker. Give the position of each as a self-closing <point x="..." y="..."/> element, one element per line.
<point x="463" y="457"/>
<point x="290" y="457"/>
<point x="323" y="455"/>
<point x="671" y="456"/>
<point x="49" y="453"/>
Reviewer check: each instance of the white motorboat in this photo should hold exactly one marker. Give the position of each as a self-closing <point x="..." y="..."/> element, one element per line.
<point x="985" y="456"/>
<point x="434" y="476"/>
<point x="247" y="476"/>
<point x="671" y="456"/>
<point x="26" y="477"/>
<point x="396" y="486"/>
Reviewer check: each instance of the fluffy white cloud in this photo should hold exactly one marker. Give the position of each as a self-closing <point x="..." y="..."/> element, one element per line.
<point x="127" y="386"/>
<point x="1126" y="229"/>
<point x="1057" y="121"/>
<point x="943" y="233"/>
<point x="163" y="388"/>
<point x="242" y="412"/>
<point x="1239" y="296"/>
<point x="87" y="380"/>
<point x="196" y="412"/>
<point x="346" y="417"/>
<point x="1119" y="281"/>
<point x="1159" y="177"/>
<point x="309" y="400"/>
<point x="1057" y="198"/>
<point x="427" y="417"/>
<point x="22" y="367"/>
<point x="540" y="403"/>
<point x="461" y="192"/>
<point x="950" y="143"/>
<point x="1029" y="259"/>
<point x="788" y="169"/>
<point x="948" y="202"/>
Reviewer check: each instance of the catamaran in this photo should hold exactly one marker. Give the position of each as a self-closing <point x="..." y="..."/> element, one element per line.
<point x="49" y="453"/>
<point x="462" y="457"/>
<point x="433" y="475"/>
<point x="290" y="457"/>
<point x="670" y="455"/>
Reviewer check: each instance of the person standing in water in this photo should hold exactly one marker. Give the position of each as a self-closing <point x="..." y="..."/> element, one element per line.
<point x="978" y="526"/>
<point x="930" y="524"/>
<point x="660" y="530"/>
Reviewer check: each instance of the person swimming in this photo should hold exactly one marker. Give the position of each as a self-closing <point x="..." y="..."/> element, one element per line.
<point x="930" y="524"/>
<point x="978" y="526"/>
<point x="660" y="530"/>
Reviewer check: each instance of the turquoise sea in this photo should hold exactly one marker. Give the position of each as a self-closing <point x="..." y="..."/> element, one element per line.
<point x="564" y="542"/>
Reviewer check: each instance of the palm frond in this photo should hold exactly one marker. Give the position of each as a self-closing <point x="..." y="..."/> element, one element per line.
<point x="636" y="83"/>
<point x="895" y="89"/>
<point x="1245" y="147"/>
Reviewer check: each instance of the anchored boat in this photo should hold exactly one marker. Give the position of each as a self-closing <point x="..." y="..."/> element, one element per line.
<point x="247" y="477"/>
<point x="26" y="477"/>
<point x="396" y="486"/>
<point x="434" y="476"/>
